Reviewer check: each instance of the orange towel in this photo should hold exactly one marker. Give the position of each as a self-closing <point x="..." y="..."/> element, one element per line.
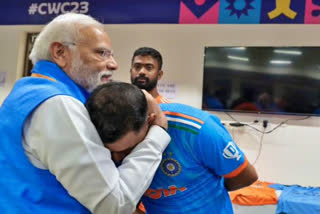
<point x="259" y="193"/>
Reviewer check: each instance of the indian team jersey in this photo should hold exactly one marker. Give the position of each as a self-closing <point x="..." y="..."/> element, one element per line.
<point x="190" y="178"/>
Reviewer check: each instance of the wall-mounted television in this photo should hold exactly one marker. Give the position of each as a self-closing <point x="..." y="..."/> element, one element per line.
<point x="279" y="80"/>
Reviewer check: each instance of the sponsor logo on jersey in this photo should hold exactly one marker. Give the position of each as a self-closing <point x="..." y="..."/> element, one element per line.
<point x="158" y="193"/>
<point x="231" y="152"/>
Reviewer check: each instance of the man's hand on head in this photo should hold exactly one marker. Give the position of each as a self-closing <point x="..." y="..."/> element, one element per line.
<point x="157" y="117"/>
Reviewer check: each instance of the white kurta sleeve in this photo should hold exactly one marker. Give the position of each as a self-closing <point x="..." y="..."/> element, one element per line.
<point x="60" y="136"/>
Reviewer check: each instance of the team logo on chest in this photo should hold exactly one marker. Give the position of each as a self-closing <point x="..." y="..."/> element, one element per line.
<point x="171" y="167"/>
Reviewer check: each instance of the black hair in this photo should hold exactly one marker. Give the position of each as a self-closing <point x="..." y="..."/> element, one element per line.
<point x="116" y="108"/>
<point x="147" y="51"/>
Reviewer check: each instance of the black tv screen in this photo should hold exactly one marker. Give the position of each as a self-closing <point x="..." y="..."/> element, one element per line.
<point x="280" y="80"/>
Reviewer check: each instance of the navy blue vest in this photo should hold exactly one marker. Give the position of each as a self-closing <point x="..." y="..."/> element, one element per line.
<point x="23" y="187"/>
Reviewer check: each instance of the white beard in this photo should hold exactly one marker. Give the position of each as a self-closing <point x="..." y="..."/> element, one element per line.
<point x="85" y="76"/>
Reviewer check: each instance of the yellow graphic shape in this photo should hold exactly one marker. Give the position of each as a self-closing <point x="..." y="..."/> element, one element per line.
<point x="282" y="7"/>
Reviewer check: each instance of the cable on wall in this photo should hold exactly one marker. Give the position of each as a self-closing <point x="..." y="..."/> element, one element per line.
<point x="260" y="149"/>
<point x="239" y="124"/>
<point x="236" y="123"/>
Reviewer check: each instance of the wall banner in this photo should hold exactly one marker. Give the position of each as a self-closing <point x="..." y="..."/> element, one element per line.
<point x="30" y="12"/>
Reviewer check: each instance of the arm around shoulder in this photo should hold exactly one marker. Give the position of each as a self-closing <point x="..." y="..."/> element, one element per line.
<point x="71" y="149"/>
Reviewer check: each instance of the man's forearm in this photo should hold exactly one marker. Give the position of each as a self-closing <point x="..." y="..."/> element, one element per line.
<point x="137" y="170"/>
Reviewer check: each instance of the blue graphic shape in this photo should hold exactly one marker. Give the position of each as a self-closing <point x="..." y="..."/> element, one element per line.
<point x="239" y="7"/>
<point x="297" y="6"/>
<point x="316" y="12"/>
<point x="240" y="11"/>
<point x="199" y="10"/>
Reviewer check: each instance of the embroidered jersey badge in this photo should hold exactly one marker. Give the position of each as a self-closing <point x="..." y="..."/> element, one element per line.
<point x="170" y="167"/>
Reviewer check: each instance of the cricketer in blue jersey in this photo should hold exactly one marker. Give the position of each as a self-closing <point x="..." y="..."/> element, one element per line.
<point x="200" y="165"/>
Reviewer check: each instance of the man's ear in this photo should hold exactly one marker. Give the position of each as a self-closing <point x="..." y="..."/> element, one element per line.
<point x="151" y="118"/>
<point x="160" y="74"/>
<point x="60" y="54"/>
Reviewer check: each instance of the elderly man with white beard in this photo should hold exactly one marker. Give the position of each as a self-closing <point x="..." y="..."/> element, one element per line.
<point x="51" y="156"/>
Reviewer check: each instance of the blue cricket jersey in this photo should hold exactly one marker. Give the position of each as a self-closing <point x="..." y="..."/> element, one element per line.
<point x="190" y="178"/>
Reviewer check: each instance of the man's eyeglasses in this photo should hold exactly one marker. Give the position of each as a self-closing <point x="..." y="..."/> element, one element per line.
<point x="102" y="52"/>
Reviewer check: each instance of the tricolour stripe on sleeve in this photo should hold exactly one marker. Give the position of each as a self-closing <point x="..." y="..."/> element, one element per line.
<point x="183" y="122"/>
<point x="183" y="117"/>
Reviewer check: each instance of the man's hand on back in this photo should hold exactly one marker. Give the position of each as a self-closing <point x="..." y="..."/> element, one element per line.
<point x="158" y="117"/>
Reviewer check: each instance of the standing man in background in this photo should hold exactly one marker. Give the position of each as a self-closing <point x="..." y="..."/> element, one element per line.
<point x="51" y="156"/>
<point x="146" y="71"/>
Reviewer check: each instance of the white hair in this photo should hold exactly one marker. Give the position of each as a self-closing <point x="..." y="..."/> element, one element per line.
<point x="63" y="28"/>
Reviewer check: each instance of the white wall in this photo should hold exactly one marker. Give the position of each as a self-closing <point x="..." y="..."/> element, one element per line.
<point x="12" y="43"/>
<point x="289" y="155"/>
